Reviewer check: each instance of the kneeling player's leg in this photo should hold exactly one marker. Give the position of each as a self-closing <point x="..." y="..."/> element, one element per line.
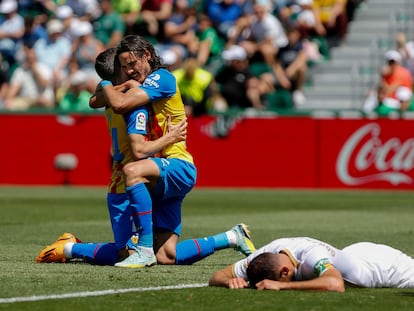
<point x="95" y="253"/>
<point x="121" y="218"/>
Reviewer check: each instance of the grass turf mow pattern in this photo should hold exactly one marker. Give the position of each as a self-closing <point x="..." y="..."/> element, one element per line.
<point x="34" y="216"/>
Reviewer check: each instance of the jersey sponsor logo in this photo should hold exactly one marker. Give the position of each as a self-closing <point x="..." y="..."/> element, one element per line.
<point x="140" y="121"/>
<point x="365" y="150"/>
<point x="151" y="80"/>
<point x="321" y="266"/>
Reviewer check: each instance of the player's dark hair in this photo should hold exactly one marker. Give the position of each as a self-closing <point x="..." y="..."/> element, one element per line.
<point x="139" y="45"/>
<point x="261" y="267"/>
<point x="105" y="64"/>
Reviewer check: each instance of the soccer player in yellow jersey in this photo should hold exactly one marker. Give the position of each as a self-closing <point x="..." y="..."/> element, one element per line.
<point x="172" y="175"/>
<point x="169" y="177"/>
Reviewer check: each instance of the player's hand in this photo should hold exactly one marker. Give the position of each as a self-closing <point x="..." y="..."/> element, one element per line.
<point x="268" y="284"/>
<point x="130" y="84"/>
<point x="177" y="131"/>
<point x="236" y="283"/>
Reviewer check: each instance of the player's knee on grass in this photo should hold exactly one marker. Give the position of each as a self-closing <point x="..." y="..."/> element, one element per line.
<point x="165" y="244"/>
<point x="165" y="258"/>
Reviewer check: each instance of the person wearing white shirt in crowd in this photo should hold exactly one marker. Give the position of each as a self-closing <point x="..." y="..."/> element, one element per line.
<point x="30" y="85"/>
<point x="11" y="29"/>
<point x="261" y="32"/>
<point x="54" y="52"/>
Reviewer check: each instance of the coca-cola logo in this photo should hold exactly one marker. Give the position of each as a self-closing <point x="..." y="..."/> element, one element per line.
<point x="365" y="158"/>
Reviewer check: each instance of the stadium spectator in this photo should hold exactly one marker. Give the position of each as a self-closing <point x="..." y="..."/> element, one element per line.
<point x="180" y="30"/>
<point x="65" y="14"/>
<point x="303" y="15"/>
<point x="197" y="87"/>
<point x="130" y="11"/>
<point x="386" y="106"/>
<point x="236" y="82"/>
<point x="392" y="77"/>
<point x="307" y="20"/>
<point x="37" y="7"/>
<point x="76" y="98"/>
<point x="11" y="29"/>
<point x="4" y="81"/>
<point x="33" y="31"/>
<point x="290" y="66"/>
<point x="405" y="97"/>
<point x="333" y="16"/>
<point x="375" y="101"/>
<point x="211" y="44"/>
<point x="169" y="59"/>
<point x="304" y="263"/>
<point x="261" y="35"/>
<point x="406" y="49"/>
<point x="109" y="27"/>
<point x="85" y="48"/>
<point x="54" y="52"/>
<point x="31" y="84"/>
<point x="84" y="9"/>
<point x="153" y="15"/>
<point x="224" y="14"/>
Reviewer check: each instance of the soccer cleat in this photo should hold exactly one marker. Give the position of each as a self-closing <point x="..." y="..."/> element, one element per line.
<point x="244" y="243"/>
<point x="139" y="259"/>
<point x="54" y="252"/>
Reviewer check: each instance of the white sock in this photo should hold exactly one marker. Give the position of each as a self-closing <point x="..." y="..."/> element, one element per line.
<point x="67" y="250"/>
<point x="149" y="251"/>
<point x="231" y="236"/>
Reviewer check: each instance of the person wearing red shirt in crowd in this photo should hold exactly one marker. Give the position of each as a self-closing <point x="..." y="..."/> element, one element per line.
<point x="153" y="15"/>
<point x="394" y="75"/>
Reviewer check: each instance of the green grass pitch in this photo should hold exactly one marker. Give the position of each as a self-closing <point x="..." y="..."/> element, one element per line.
<point x="30" y="218"/>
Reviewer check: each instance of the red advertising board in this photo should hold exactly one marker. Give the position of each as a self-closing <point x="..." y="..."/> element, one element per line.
<point x="31" y="144"/>
<point x="258" y="152"/>
<point x="367" y="153"/>
<point x="266" y="152"/>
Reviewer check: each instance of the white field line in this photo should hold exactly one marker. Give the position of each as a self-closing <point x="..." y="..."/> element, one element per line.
<point x="99" y="293"/>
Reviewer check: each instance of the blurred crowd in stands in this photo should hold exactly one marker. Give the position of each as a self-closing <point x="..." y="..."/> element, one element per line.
<point x="224" y="53"/>
<point x="394" y="92"/>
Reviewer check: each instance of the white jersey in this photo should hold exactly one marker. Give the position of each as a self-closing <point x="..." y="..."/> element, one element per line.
<point x="362" y="264"/>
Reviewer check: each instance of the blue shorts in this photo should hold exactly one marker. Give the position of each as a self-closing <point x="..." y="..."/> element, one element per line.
<point x="177" y="178"/>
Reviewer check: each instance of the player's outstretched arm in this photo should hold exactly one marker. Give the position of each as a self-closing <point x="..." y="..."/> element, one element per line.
<point x="98" y="100"/>
<point x="226" y="278"/>
<point x="124" y="101"/>
<point x="331" y="280"/>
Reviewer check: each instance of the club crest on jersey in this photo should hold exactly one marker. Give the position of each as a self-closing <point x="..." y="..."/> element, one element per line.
<point x="140" y="121"/>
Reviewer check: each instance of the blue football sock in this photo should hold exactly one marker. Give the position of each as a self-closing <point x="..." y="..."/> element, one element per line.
<point x="190" y="251"/>
<point x="221" y="241"/>
<point x="96" y="253"/>
<point x="193" y="250"/>
<point x="141" y="205"/>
